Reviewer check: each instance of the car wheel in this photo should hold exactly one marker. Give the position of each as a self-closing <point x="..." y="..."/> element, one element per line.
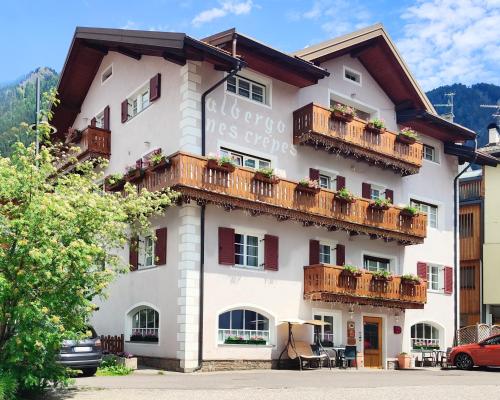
<point x="464" y="361"/>
<point x="89" y="371"/>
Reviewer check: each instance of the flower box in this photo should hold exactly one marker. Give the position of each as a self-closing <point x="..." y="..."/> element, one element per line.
<point x="159" y="165"/>
<point x="379" y="207"/>
<point x="344" y="199"/>
<point x="145" y="338"/>
<point x="354" y="274"/>
<point x="213" y="163"/>
<point x="307" y="189"/>
<point x="259" y="176"/>
<point x="230" y="340"/>
<point x="407" y="213"/>
<point x="257" y="341"/>
<point x="114" y="185"/>
<point x="342" y="116"/>
<point x="405" y="139"/>
<point x="369" y="127"/>
<point x="379" y="278"/>
<point x="134" y="174"/>
<point x="410" y="281"/>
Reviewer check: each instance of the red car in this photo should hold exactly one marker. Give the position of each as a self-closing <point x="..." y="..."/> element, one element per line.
<point x="482" y="354"/>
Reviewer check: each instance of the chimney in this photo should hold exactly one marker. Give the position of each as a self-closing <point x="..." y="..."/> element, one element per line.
<point x="493" y="135"/>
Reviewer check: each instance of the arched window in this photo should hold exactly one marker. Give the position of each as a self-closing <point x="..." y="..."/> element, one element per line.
<point x="145" y="325"/>
<point x="424" y="336"/>
<point x="243" y="327"/>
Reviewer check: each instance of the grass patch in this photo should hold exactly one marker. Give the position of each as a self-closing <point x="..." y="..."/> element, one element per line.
<point x="116" y="370"/>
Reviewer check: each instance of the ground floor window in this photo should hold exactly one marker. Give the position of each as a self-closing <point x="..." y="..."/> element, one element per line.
<point x="145" y="325"/>
<point x="324" y="333"/>
<point x="424" y="336"/>
<point x="243" y="326"/>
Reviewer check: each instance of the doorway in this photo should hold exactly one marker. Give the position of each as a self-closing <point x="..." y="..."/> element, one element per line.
<point x="372" y="347"/>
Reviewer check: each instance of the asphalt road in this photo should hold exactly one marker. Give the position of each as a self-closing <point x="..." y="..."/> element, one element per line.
<point x="428" y="384"/>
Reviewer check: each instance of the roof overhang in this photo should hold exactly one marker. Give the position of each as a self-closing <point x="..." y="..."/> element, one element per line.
<point x="90" y="45"/>
<point x="470" y="154"/>
<point x="267" y="60"/>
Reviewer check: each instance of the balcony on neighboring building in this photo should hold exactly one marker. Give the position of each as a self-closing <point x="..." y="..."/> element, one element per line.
<point x="241" y="188"/>
<point x="314" y="126"/>
<point x="471" y="189"/>
<point x="328" y="283"/>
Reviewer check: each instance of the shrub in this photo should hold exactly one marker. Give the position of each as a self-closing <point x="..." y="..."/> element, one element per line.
<point x="408" y="132"/>
<point x="382" y="202"/>
<point x="377" y="123"/>
<point x="351" y="269"/>
<point x="268" y="172"/>
<point x="410" y="210"/>
<point x="309" y="183"/>
<point x="345" y="194"/>
<point x="382" y="274"/>
<point x="8" y="387"/>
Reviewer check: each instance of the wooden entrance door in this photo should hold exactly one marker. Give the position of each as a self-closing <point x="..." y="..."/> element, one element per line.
<point x="372" y="334"/>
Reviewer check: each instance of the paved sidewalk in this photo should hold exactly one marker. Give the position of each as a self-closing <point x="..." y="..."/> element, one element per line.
<point x="428" y="384"/>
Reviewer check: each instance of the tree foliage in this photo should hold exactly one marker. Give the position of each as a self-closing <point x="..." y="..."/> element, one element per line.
<point x="58" y="239"/>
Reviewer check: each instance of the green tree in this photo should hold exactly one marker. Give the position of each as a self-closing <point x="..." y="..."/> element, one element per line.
<point x="58" y="239"/>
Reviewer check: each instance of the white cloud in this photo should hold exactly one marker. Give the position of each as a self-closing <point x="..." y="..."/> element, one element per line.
<point x="448" y="41"/>
<point x="226" y="7"/>
<point x="130" y="25"/>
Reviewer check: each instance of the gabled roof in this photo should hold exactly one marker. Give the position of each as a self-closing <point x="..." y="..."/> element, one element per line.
<point x="267" y="60"/>
<point x="469" y="154"/>
<point x="90" y="45"/>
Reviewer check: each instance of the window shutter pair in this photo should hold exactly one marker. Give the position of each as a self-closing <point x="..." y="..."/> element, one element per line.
<point x="448" y="276"/>
<point x="227" y="249"/>
<point x="314" y="176"/>
<point x="160" y="249"/>
<point x="366" y="192"/>
<point x="314" y="253"/>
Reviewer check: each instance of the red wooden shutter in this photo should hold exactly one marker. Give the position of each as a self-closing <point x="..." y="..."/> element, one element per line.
<point x="124" y="111"/>
<point x="271" y="252"/>
<point x="161" y="246"/>
<point x="340" y="182"/>
<point x="133" y="254"/>
<point x="313" y="252"/>
<point x="389" y="195"/>
<point x="226" y="246"/>
<point x="93" y="122"/>
<point x="366" y="191"/>
<point x="448" y="280"/>
<point x="106" y="118"/>
<point x="422" y="270"/>
<point x="314" y="174"/>
<point x="340" y="253"/>
<point x="155" y="87"/>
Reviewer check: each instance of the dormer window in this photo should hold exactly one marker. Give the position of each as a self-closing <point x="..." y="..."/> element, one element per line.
<point x="352" y="75"/>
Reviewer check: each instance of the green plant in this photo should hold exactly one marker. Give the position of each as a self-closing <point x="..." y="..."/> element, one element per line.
<point x="156" y="158"/>
<point x="351" y="269"/>
<point x="410" y="210"/>
<point x="381" y="202"/>
<point x="8" y="387"/>
<point x="310" y="183"/>
<point x="346" y="110"/>
<point x="377" y="123"/>
<point x="222" y="160"/>
<point x="403" y="353"/>
<point x="410" y="277"/>
<point x="268" y="172"/>
<point x="345" y="194"/>
<point x="382" y="274"/>
<point x="408" y="132"/>
<point x="115" y="370"/>
<point x="114" y="178"/>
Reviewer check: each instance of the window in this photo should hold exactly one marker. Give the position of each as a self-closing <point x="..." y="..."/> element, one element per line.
<point x="247" y="88"/>
<point x="324" y="333"/>
<point x="145" y="325"/>
<point x="139" y="101"/>
<point x="430" y="153"/>
<point x="465" y="223"/>
<point x="99" y="120"/>
<point x="327" y="181"/>
<point x="377" y="192"/>
<point x="424" y="336"/>
<point x="107" y="74"/>
<point x="431" y="211"/>
<point x="243" y="327"/>
<point x="325" y="252"/>
<point x="352" y="76"/>
<point x="467" y="278"/>
<point x="374" y="264"/>
<point x="435" y="278"/>
<point x="492" y="341"/>
<point x="247" y="250"/>
<point x="246" y="160"/>
<point x="146" y="252"/>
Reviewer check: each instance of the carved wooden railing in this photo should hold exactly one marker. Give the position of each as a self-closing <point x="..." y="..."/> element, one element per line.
<point x="96" y="142"/>
<point x="190" y="175"/>
<point x="352" y="138"/>
<point x="471" y="189"/>
<point x="330" y="283"/>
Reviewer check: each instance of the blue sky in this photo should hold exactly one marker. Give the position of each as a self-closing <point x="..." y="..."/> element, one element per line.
<point x="443" y="41"/>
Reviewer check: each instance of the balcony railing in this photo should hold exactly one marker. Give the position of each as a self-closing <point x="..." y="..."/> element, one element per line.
<point x="330" y="284"/>
<point x="313" y="125"/>
<point x="471" y="189"/>
<point x="191" y="176"/>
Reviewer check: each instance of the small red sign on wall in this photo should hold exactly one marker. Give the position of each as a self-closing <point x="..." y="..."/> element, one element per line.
<point x="397" y="330"/>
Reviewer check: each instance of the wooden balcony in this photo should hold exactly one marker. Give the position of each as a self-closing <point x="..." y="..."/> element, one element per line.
<point x="328" y="283"/>
<point x="471" y="189"/>
<point x="313" y="126"/>
<point x="191" y="176"/>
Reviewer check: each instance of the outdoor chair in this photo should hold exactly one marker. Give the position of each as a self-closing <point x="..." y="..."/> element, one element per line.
<point x="430" y="358"/>
<point x="349" y="354"/>
<point x="305" y="355"/>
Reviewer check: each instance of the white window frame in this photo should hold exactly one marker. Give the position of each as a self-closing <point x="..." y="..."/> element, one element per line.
<point x="425" y="341"/>
<point x="146" y="243"/>
<point x="331" y="178"/>
<point x="222" y="333"/>
<point x="99" y="120"/>
<point x="352" y="71"/>
<point x="245" y="157"/>
<point x="146" y="330"/>
<point x="105" y="78"/>
<point x="435" y="159"/>
<point x="336" y="327"/>
<point x="258" y="79"/>
<point x="333" y="251"/>
<point x="380" y="189"/>
<point x="136" y="104"/>
<point x="419" y="203"/>
<point x="393" y="260"/>
<point x="260" y="249"/>
<point x="435" y="271"/>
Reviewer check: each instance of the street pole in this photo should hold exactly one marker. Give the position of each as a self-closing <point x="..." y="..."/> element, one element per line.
<point x="37" y="116"/>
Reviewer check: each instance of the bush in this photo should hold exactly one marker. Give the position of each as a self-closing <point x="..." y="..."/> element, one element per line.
<point x="110" y="367"/>
<point x="8" y="387"/>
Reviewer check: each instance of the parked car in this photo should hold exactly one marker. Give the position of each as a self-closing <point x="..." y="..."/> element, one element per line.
<point x="483" y="354"/>
<point x="84" y="354"/>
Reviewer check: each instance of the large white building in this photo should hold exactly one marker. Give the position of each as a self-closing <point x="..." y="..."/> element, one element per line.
<point x="239" y="255"/>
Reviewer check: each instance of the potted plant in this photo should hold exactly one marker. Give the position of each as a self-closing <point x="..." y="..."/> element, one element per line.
<point x="266" y="175"/>
<point x="380" y="204"/>
<point x="114" y="182"/>
<point x="343" y="113"/>
<point x="221" y="163"/>
<point x="404" y="361"/>
<point x="308" y="186"/>
<point x="381" y="276"/>
<point x="407" y="136"/>
<point x="344" y="196"/>
<point x="257" y="340"/>
<point x="409" y="211"/>
<point x="235" y="340"/>
<point x="351" y="270"/>
<point x="410" y="279"/>
<point x="158" y="162"/>
<point x="135" y="172"/>
<point x="376" y="126"/>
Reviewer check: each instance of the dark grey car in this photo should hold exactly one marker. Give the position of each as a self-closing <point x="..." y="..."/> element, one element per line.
<point x="85" y="354"/>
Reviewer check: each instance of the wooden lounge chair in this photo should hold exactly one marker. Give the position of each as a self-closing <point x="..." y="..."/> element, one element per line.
<point x="303" y="352"/>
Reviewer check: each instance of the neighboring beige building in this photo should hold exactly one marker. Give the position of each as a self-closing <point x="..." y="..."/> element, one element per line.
<point x="242" y="252"/>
